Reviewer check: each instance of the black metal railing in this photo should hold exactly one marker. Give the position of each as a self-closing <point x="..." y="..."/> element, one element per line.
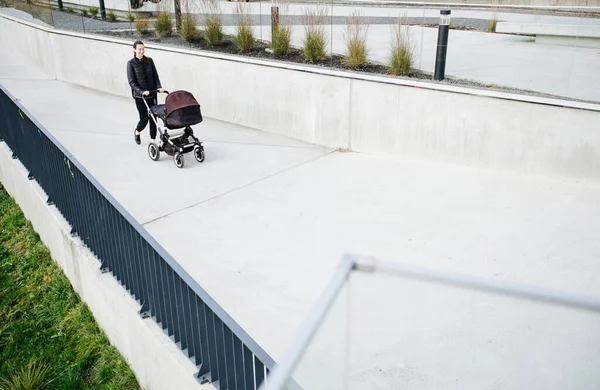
<point x="224" y="354"/>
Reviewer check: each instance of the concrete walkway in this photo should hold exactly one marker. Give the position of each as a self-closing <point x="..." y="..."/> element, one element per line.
<point x="263" y="222"/>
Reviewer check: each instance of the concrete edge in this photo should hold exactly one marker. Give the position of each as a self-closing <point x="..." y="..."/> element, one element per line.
<point x="154" y="358"/>
<point x="566" y="30"/>
<point x="327" y="72"/>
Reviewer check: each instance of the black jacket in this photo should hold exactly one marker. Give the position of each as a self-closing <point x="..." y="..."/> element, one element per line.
<point x="142" y="76"/>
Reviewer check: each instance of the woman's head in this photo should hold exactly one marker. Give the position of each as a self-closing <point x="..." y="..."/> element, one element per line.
<point x="138" y="49"/>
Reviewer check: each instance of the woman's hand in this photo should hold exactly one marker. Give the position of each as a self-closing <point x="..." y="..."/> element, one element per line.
<point x="146" y="93"/>
<point x="161" y="90"/>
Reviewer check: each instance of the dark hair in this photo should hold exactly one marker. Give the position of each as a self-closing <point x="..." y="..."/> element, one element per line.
<point x="136" y="43"/>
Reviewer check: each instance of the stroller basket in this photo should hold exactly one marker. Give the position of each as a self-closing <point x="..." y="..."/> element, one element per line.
<point x="181" y="110"/>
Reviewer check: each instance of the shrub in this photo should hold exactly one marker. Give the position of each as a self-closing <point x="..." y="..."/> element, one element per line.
<point x="141" y="25"/>
<point x="356" y="42"/>
<point x="492" y="25"/>
<point x="213" y="22"/>
<point x="280" y="40"/>
<point x="163" y="27"/>
<point x="188" y="27"/>
<point x="402" y="58"/>
<point x="314" y="42"/>
<point x="244" y="37"/>
<point x="111" y="16"/>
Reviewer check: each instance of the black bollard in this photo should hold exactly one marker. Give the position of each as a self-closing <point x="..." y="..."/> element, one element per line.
<point x="442" y="45"/>
<point x="102" y="10"/>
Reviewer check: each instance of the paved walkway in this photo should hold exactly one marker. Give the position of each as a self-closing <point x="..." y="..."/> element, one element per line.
<point x="263" y="222"/>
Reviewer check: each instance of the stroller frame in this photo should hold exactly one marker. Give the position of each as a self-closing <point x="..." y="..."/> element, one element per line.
<point x="176" y="144"/>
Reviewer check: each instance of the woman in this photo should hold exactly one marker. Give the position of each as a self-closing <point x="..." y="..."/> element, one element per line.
<point x="143" y="78"/>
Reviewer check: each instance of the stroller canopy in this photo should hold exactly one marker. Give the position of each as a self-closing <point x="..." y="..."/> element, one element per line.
<point x="181" y="109"/>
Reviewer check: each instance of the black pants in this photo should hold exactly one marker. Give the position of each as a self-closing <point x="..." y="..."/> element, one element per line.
<point x="143" y="111"/>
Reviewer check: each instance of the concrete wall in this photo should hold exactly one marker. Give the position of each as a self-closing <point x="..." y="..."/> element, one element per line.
<point x="29" y="43"/>
<point x="558" y="30"/>
<point x="343" y="110"/>
<point x="553" y="34"/>
<point x="475" y="130"/>
<point x="155" y="359"/>
<point x="568" y="41"/>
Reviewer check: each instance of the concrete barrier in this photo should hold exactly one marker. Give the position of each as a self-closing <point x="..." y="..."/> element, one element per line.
<point x="475" y="130"/>
<point x="29" y="43"/>
<point x="555" y="34"/>
<point x="156" y="361"/>
<point x="363" y="113"/>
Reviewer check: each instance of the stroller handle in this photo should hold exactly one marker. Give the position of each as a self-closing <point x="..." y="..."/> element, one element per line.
<point x="154" y="91"/>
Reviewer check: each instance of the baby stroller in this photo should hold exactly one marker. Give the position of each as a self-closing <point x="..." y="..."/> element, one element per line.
<point x="180" y="111"/>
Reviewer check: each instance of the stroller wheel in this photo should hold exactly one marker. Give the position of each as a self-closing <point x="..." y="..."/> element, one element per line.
<point x="178" y="160"/>
<point x="153" y="151"/>
<point x="199" y="153"/>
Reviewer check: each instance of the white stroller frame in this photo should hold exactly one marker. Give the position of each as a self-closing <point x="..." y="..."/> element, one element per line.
<point x="176" y="143"/>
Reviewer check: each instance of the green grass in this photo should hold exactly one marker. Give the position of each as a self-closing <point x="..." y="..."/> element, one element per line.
<point x="48" y="337"/>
